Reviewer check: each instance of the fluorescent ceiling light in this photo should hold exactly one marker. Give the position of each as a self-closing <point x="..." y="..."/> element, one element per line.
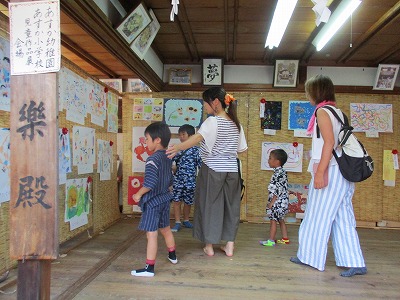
<point x="283" y="12"/>
<point x="339" y="16"/>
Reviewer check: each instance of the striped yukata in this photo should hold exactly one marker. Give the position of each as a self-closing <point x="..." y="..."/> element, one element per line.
<point x="217" y="196"/>
<point x="329" y="213"/>
<point x="155" y="204"/>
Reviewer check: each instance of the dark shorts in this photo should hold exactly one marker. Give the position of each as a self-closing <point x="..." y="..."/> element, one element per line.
<point x="187" y="195"/>
<point x="154" y="218"/>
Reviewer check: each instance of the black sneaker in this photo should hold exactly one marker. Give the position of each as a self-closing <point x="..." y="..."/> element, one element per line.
<point x="147" y="271"/>
<point x="172" y="257"/>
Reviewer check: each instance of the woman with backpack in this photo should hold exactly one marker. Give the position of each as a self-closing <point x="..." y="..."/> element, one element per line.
<point x="329" y="211"/>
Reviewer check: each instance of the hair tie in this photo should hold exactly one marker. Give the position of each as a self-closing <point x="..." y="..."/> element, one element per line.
<point x="228" y="99"/>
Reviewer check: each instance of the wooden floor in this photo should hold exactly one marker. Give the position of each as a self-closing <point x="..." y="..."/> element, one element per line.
<point x="100" y="269"/>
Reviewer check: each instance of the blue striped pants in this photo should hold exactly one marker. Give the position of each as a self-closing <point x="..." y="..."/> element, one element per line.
<point x="329" y="212"/>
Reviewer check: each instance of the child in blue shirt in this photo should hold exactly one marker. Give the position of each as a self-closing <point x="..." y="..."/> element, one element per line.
<point x="187" y="163"/>
<point x="155" y="196"/>
<point x="278" y="200"/>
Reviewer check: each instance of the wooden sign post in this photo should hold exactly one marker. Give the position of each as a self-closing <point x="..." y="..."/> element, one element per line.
<point x="34" y="53"/>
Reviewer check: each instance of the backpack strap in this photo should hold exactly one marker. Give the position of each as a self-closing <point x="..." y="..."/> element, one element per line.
<point x="344" y="123"/>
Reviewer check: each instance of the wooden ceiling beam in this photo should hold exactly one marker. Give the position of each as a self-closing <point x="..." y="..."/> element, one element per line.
<point x="391" y="15"/>
<point x="235" y="29"/>
<point x="226" y="25"/>
<point x="91" y="19"/>
<point x="78" y="51"/>
<point x="388" y="54"/>
<point x="189" y="29"/>
<point x="185" y="41"/>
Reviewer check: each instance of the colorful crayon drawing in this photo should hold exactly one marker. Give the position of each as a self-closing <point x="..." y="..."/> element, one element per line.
<point x="295" y="156"/>
<point x="371" y="117"/>
<point x="149" y="109"/>
<point x="178" y="112"/>
<point x="77" y="200"/>
<point x="272" y="115"/>
<point x="64" y="152"/>
<point x="298" y="194"/>
<point x="140" y="149"/>
<point x="4" y="165"/>
<point x="300" y="113"/>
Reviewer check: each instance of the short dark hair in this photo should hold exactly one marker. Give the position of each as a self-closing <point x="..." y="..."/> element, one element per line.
<point x="159" y="130"/>
<point x="320" y="88"/>
<point x="189" y="129"/>
<point x="280" y="155"/>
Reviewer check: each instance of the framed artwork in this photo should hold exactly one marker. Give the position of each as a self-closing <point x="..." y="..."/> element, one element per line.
<point x="386" y="77"/>
<point x="285" y="74"/>
<point x="212" y="71"/>
<point x="137" y="86"/>
<point x="134" y="23"/>
<point x="180" y="76"/>
<point x="113" y="83"/>
<point x="143" y="42"/>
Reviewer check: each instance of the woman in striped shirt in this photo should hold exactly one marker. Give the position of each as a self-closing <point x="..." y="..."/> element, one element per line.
<point x="218" y="190"/>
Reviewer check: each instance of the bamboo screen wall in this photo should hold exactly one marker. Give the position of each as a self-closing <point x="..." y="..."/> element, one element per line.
<point x="373" y="202"/>
<point x="104" y="209"/>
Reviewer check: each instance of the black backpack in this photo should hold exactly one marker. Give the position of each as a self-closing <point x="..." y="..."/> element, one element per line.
<point x="355" y="164"/>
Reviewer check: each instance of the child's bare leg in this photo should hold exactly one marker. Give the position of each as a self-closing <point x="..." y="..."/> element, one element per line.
<point x="283" y="227"/>
<point x="177" y="211"/>
<point x="152" y="245"/>
<point x="186" y="212"/>
<point x="168" y="237"/>
<point x="272" y="230"/>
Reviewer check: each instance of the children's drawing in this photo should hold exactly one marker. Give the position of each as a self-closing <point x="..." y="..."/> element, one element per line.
<point x="134" y="185"/>
<point x="77" y="201"/>
<point x="295" y="156"/>
<point x="178" y="112"/>
<point x="104" y="157"/>
<point x="73" y="95"/>
<point x="64" y="152"/>
<point x="98" y="103"/>
<point x="140" y="150"/>
<point x="298" y="194"/>
<point x="113" y="83"/>
<point x="300" y="113"/>
<point x="371" y="117"/>
<point x="4" y="165"/>
<point x="149" y="109"/>
<point x="272" y="115"/>
<point x="5" y="92"/>
<point x="112" y="113"/>
<point x="83" y="149"/>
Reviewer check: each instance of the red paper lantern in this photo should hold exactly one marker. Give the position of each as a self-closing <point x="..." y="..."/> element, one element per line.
<point x="394" y="151"/>
<point x="263" y="100"/>
<point x="111" y="143"/>
<point x="64" y="131"/>
<point x="295" y="144"/>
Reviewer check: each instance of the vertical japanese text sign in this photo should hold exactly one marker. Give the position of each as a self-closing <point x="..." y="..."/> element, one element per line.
<point x="35" y="43"/>
<point x="34" y="149"/>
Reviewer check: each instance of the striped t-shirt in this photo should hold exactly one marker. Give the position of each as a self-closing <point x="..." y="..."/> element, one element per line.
<point x="221" y="156"/>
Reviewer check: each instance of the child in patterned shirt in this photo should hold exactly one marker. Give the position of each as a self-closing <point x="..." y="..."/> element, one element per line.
<point x="184" y="186"/>
<point x="278" y="200"/>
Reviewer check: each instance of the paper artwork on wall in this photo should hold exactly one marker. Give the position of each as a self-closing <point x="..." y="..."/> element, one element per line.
<point x="134" y="185"/>
<point x="140" y="150"/>
<point x="64" y="155"/>
<point x="83" y="149"/>
<point x="104" y="159"/>
<point x="5" y="91"/>
<point x="178" y="112"/>
<point x="389" y="172"/>
<point x="112" y="112"/>
<point x="272" y="118"/>
<point x="298" y="194"/>
<point x="149" y="109"/>
<point x="300" y="113"/>
<point x="77" y="202"/>
<point x="371" y="117"/>
<point x="295" y="156"/>
<point x="4" y="165"/>
<point x="73" y="95"/>
<point x="97" y="103"/>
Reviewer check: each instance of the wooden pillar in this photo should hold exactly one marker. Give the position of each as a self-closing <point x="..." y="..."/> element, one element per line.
<point x="33" y="279"/>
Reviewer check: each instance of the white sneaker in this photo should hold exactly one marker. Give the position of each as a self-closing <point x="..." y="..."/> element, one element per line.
<point x="145" y="272"/>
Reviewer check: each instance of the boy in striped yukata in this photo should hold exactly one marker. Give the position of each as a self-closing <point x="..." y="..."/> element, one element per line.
<point x="155" y="196"/>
